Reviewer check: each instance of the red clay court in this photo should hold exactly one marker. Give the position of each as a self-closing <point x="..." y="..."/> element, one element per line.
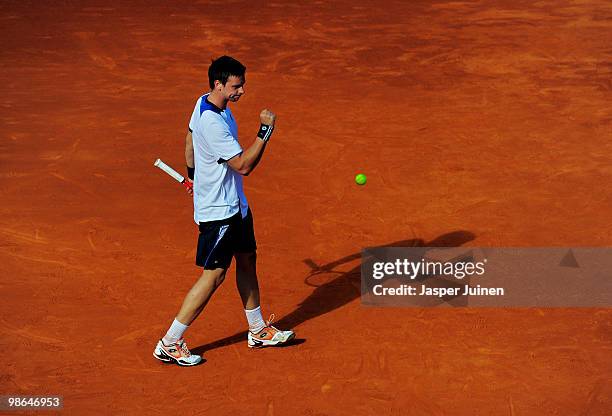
<point x="478" y="123"/>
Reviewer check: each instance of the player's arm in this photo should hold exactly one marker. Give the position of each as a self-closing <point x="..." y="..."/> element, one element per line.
<point x="245" y="162"/>
<point x="189" y="160"/>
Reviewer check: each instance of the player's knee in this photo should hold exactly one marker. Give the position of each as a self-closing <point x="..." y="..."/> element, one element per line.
<point x="216" y="276"/>
<point x="219" y="279"/>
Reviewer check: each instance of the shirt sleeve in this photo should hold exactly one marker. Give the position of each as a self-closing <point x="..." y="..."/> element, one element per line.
<point x="194" y="116"/>
<point x="223" y="144"/>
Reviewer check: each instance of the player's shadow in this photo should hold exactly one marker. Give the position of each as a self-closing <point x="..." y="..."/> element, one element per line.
<point x="338" y="291"/>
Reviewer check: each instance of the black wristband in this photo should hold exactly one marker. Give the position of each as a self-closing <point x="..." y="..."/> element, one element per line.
<point x="190" y="172"/>
<point x="265" y="132"/>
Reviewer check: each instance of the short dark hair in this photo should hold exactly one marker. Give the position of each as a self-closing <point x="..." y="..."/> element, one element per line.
<point x="222" y="68"/>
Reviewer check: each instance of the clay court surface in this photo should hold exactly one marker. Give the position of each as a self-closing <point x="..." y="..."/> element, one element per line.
<point x="478" y="123"/>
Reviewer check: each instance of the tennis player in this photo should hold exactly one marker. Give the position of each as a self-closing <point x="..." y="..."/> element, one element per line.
<point x="216" y="163"/>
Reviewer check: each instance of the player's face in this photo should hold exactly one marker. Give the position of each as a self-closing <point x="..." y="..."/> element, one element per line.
<point x="234" y="88"/>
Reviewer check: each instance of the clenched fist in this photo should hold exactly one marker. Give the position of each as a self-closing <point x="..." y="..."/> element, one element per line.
<point x="267" y="117"/>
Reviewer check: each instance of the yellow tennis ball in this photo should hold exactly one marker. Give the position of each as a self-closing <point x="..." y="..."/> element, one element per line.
<point x="360" y="179"/>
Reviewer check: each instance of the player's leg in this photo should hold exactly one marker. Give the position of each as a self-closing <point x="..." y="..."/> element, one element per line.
<point x="248" y="287"/>
<point x="246" y="279"/>
<point x="200" y="294"/>
<point x="261" y="333"/>
<point x="172" y="347"/>
<point x="214" y="254"/>
<point x="245" y="253"/>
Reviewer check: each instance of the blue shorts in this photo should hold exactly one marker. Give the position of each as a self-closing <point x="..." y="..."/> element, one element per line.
<point x="220" y="240"/>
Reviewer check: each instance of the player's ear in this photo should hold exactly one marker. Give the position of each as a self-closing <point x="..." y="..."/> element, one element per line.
<point x="218" y="85"/>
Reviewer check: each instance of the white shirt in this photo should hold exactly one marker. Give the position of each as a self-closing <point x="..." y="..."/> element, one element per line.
<point x="217" y="188"/>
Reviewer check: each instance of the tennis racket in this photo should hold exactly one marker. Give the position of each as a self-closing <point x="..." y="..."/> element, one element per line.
<point x="179" y="178"/>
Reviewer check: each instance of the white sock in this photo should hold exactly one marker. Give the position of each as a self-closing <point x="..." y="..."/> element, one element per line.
<point x="175" y="332"/>
<point x="256" y="321"/>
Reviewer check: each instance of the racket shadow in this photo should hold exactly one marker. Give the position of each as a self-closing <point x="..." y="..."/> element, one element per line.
<point x="338" y="291"/>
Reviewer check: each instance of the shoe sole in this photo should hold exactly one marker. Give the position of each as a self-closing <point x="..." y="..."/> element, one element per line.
<point x="165" y="358"/>
<point x="271" y="345"/>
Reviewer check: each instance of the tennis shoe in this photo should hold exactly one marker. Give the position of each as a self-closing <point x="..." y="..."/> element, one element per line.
<point x="269" y="336"/>
<point x="176" y="353"/>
